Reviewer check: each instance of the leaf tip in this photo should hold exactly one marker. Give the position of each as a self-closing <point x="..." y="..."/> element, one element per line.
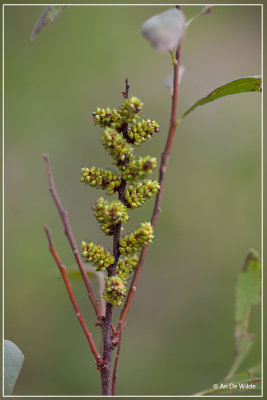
<point x="253" y="255"/>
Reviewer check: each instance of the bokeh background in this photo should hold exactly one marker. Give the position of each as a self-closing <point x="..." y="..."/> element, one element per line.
<point x="179" y="335"/>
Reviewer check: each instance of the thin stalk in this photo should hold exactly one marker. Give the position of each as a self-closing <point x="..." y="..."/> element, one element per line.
<point x="64" y="216"/>
<point x="73" y="300"/>
<point x="204" y="11"/>
<point x="163" y="169"/>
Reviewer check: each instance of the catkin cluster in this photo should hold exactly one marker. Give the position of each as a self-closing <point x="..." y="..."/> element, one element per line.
<point x="122" y="131"/>
<point x="141" y="131"/>
<point x="97" y="255"/>
<point x="101" y="179"/>
<point x="137" y="194"/>
<point x="126" y="266"/>
<point x="109" y="214"/>
<point x="139" y="168"/>
<point x="135" y="241"/>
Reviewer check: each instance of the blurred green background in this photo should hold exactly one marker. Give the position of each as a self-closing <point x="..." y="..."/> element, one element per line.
<point x="179" y="334"/>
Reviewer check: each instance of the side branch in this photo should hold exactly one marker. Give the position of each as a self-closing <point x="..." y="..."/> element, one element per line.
<point x="73" y="300"/>
<point x="64" y="216"/>
<point x="172" y="127"/>
<point x="162" y="174"/>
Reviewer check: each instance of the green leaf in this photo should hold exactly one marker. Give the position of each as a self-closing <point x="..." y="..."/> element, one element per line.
<point x="247" y="381"/>
<point x="248" y="293"/>
<point x="13" y="360"/>
<point x="50" y="14"/>
<point x="248" y="290"/>
<point x="248" y="84"/>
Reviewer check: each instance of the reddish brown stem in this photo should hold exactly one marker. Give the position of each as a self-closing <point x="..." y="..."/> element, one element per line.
<point x="64" y="216"/>
<point x="166" y="153"/>
<point x="163" y="168"/>
<point x="108" y="346"/>
<point x="64" y="275"/>
<point x="156" y="212"/>
<point x="114" y="375"/>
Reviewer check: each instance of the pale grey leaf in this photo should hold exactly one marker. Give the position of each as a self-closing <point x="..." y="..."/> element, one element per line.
<point x="165" y="31"/>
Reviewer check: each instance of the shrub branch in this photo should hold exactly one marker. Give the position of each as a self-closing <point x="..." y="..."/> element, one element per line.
<point x="64" y="275"/>
<point x="108" y="346"/>
<point x="64" y="216"/>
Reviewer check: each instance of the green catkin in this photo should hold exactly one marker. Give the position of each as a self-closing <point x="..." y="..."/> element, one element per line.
<point x="135" y="241"/>
<point x="141" y="131"/>
<point x="126" y="266"/>
<point x="139" y="168"/>
<point x="115" y="290"/>
<point x="116" y="285"/>
<point x="107" y="118"/>
<point x="97" y="255"/>
<point x="100" y="178"/>
<point x="109" y="214"/>
<point x="116" y="146"/>
<point x="130" y="109"/>
<point x="136" y="195"/>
